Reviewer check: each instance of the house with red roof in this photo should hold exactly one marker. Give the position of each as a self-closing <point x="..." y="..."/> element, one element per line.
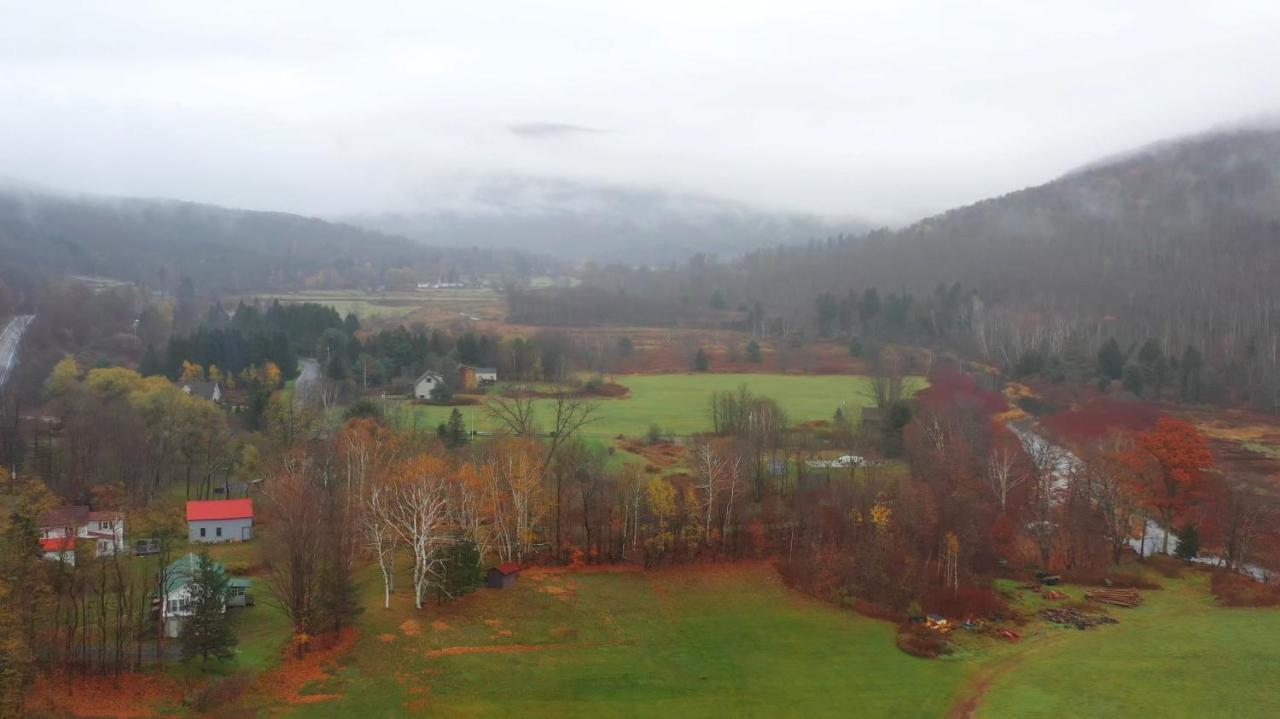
<point x="220" y="520"/>
<point x="61" y="528"/>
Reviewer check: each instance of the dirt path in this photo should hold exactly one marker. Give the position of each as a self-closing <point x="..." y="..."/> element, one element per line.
<point x="966" y="706"/>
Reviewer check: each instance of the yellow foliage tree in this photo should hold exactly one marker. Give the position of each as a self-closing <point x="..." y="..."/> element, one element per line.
<point x="191" y="371"/>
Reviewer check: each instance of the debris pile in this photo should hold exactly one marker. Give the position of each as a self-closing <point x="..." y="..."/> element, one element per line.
<point x="1075" y="618"/>
<point x="1116" y="597"/>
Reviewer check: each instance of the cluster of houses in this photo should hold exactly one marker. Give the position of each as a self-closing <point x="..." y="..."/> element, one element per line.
<point x="65" y="529"/>
<point x="213" y="521"/>
<point x="472" y="378"/>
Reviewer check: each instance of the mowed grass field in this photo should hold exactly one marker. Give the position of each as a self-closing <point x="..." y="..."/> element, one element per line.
<point x="697" y="642"/>
<point x="731" y="640"/>
<point x="679" y="403"/>
<point x="1177" y="655"/>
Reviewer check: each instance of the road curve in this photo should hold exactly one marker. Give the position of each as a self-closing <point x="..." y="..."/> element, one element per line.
<point x="10" y="340"/>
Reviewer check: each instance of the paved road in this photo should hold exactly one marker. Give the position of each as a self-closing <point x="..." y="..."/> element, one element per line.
<point x="308" y="377"/>
<point x="10" y="339"/>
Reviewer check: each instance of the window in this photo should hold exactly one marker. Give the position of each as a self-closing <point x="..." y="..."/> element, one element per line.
<point x="219" y="531"/>
<point x="104" y="525"/>
<point x="237" y="591"/>
<point x="202" y="531"/>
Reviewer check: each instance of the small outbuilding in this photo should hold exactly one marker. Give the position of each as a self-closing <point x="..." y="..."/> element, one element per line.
<point x="220" y="520"/>
<point x="503" y="575"/>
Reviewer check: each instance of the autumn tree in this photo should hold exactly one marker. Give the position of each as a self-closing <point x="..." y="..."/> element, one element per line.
<point x="1173" y="460"/>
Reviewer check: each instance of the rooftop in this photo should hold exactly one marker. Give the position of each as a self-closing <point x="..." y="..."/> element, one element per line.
<point x="201" y="511"/>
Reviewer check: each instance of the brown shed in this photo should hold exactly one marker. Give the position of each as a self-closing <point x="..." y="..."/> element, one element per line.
<point x="503" y="575"/>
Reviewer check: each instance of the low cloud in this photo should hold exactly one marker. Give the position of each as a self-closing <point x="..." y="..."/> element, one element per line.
<point x="548" y="130"/>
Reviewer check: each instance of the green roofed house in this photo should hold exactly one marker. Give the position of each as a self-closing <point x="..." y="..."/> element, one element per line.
<point x="175" y="604"/>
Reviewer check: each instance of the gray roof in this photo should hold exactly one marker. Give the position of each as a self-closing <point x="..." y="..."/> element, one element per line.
<point x="201" y="388"/>
<point x="429" y="374"/>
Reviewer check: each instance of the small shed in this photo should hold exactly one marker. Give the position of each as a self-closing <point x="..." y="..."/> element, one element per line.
<point x="503" y="575"/>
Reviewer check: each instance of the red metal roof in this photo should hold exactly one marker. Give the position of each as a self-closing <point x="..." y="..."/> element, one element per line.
<point x="220" y="509"/>
<point x="58" y="544"/>
<point x="508" y="568"/>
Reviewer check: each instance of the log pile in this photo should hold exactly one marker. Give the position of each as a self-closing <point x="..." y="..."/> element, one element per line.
<point x="1075" y="618"/>
<point x="1116" y="597"/>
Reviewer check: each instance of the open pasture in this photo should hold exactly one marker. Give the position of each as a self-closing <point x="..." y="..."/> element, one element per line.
<point x="679" y="403"/>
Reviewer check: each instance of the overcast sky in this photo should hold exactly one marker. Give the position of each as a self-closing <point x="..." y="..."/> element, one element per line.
<point x="879" y="110"/>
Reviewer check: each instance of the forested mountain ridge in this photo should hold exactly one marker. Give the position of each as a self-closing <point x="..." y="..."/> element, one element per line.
<point x="601" y="223"/>
<point x="157" y="241"/>
<point x="1178" y="243"/>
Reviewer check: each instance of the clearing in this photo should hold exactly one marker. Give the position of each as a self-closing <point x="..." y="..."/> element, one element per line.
<point x="679" y="403"/>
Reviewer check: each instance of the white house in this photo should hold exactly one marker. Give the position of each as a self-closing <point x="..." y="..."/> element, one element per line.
<point x="211" y="391"/>
<point x="426" y="384"/>
<point x="176" y="600"/>
<point x="62" y="527"/>
<point x="487" y="375"/>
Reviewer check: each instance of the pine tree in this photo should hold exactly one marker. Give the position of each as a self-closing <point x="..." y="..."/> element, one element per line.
<point x="456" y="432"/>
<point x="150" y="365"/>
<point x="753" y="352"/>
<point x="1110" y="361"/>
<point x="701" y="362"/>
<point x="1188" y="543"/>
<point x="205" y="632"/>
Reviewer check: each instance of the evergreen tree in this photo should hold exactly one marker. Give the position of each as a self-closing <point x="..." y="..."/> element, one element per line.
<point x="456" y="432"/>
<point x="1188" y="547"/>
<point x="206" y="633"/>
<point x="1110" y="361"/>
<point x="753" y="352"/>
<point x="462" y="570"/>
<point x="1153" y="365"/>
<point x="1133" y="378"/>
<point x="1189" y="374"/>
<point x="701" y="362"/>
<point x="150" y="365"/>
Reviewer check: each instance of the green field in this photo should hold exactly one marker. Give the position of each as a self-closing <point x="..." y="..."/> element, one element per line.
<point x="371" y="307"/>
<point x="678" y="403"/>
<point x="731" y="640"/>
<point x="726" y="641"/>
<point x="1178" y="655"/>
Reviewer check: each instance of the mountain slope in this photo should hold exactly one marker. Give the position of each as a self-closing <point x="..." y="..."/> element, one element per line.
<point x="604" y="224"/>
<point x="158" y="241"/>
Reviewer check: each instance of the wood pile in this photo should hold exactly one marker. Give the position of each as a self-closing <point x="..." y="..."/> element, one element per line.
<point x="1075" y="618"/>
<point x="1116" y="597"/>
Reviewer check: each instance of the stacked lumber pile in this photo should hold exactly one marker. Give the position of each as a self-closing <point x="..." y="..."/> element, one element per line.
<point x="1116" y="597"/>
<point x="1074" y="618"/>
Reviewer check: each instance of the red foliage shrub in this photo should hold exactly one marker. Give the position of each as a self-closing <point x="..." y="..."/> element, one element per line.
<point x="949" y="388"/>
<point x="920" y="641"/>
<point x="966" y="601"/>
<point x="1099" y="417"/>
<point x="1237" y="590"/>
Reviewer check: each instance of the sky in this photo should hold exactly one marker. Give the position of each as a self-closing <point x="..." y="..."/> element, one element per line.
<point x="882" y="111"/>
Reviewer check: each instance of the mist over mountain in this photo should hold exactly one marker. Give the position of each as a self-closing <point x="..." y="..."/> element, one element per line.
<point x="159" y="241"/>
<point x="601" y="223"/>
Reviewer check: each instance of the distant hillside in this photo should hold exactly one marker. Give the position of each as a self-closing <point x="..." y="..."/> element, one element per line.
<point x="158" y="241"/>
<point x="604" y="224"/>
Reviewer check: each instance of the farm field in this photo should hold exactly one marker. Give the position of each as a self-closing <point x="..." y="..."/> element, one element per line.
<point x="718" y="641"/>
<point x="1178" y="655"/>
<point x="678" y="403"/>
<point x="430" y="306"/>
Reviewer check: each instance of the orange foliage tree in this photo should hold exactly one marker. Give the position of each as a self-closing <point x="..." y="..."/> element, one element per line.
<point x="1172" y="461"/>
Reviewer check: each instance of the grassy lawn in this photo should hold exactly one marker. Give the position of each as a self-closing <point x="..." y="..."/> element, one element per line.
<point x="1178" y="655"/>
<point x="697" y="642"/>
<point x="678" y="403"/>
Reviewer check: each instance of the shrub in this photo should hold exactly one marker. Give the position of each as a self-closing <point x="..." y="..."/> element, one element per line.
<point x="964" y="602"/>
<point x="920" y="641"/>
<point x="1237" y="590"/>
